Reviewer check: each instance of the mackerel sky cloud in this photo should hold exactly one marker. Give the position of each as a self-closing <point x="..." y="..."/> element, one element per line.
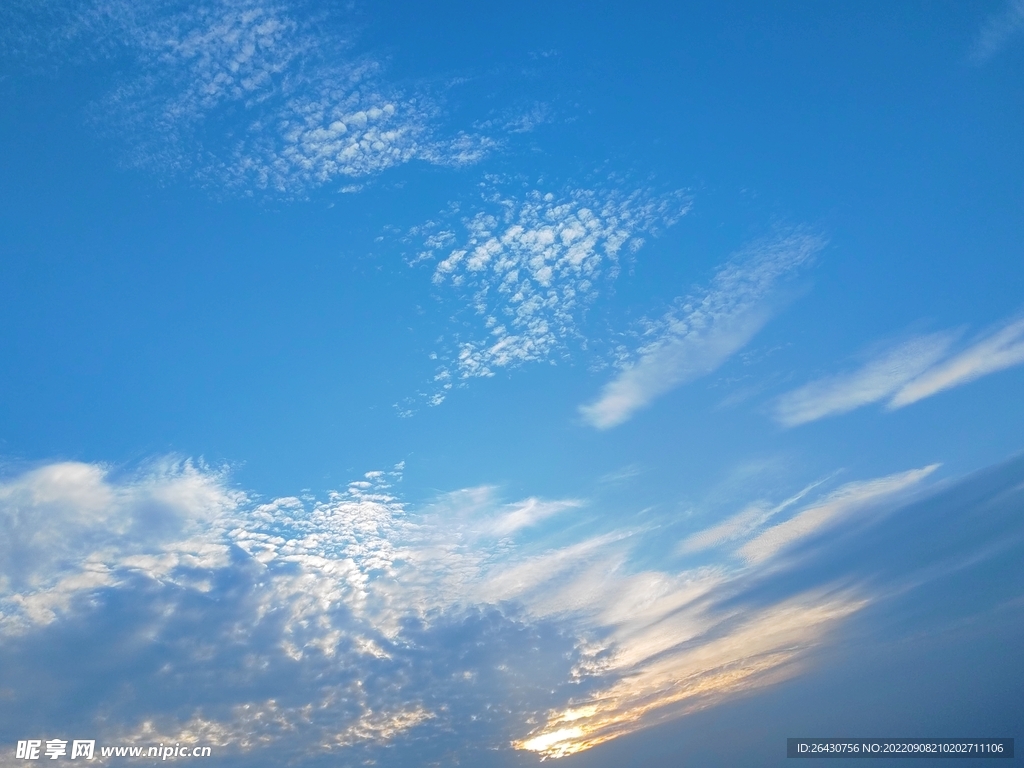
<point x="497" y="384"/>
<point x="251" y="97"/>
<point x="530" y="267"/>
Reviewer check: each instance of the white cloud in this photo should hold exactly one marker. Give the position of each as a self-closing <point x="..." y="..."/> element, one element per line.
<point x="838" y="505"/>
<point x="68" y="527"/>
<point x="673" y="643"/>
<point x="876" y="380"/>
<point x="996" y="352"/>
<point x="357" y="621"/>
<point x="159" y="543"/>
<point x="998" y="30"/>
<point x="740" y="524"/>
<point x="341" y="131"/>
<point x="705" y="330"/>
<point x="529" y="513"/>
<point x="528" y="267"/>
<point x="913" y="371"/>
<point x="232" y="52"/>
<point x="253" y="95"/>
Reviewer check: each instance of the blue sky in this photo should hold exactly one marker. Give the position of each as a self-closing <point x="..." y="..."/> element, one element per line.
<point x="479" y="384"/>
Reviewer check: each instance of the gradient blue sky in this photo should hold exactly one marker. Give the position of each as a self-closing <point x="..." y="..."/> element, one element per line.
<point x="470" y="383"/>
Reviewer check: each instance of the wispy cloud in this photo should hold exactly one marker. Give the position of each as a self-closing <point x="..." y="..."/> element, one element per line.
<point x="527" y="267"/>
<point x="705" y="329"/>
<point x="878" y="379"/>
<point x="1003" y="349"/>
<point x="998" y="30"/>
<point x="740" y="524"/>
<point x="842" y="502"/>
<point x="255" y="96"/>
<point x="676" y="643"/>
<point x="911" y="371"/>
<point x="762" y="649"/>
<point x="529" y="513"/>
<point x="519" y="120"/>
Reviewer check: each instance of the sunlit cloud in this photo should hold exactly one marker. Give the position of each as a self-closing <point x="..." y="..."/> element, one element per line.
<point x="678" y="649"/>
<point x="705" y="329"/>
<point x="359" y="621"/>
<point x="761" y="650"/>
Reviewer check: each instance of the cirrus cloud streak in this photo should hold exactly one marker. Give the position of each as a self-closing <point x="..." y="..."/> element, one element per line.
<point x="912" y="371"/>
<point x="705" y="330"/>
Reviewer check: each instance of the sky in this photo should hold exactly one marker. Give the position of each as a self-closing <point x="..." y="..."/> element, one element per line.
<point x="471" y="384"/>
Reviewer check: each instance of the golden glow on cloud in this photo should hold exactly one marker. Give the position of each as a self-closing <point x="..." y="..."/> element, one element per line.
<point x="764" y="649"/>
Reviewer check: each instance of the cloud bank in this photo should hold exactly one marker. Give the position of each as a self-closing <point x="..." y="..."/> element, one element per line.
<point x="705" y="329"/>
<point x="355" y="626"/>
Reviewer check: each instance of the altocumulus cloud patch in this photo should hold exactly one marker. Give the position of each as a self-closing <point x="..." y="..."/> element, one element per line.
<point x="525" y="266"/>
<point x="247" y="95"/>
<point x="307" y="630"/>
